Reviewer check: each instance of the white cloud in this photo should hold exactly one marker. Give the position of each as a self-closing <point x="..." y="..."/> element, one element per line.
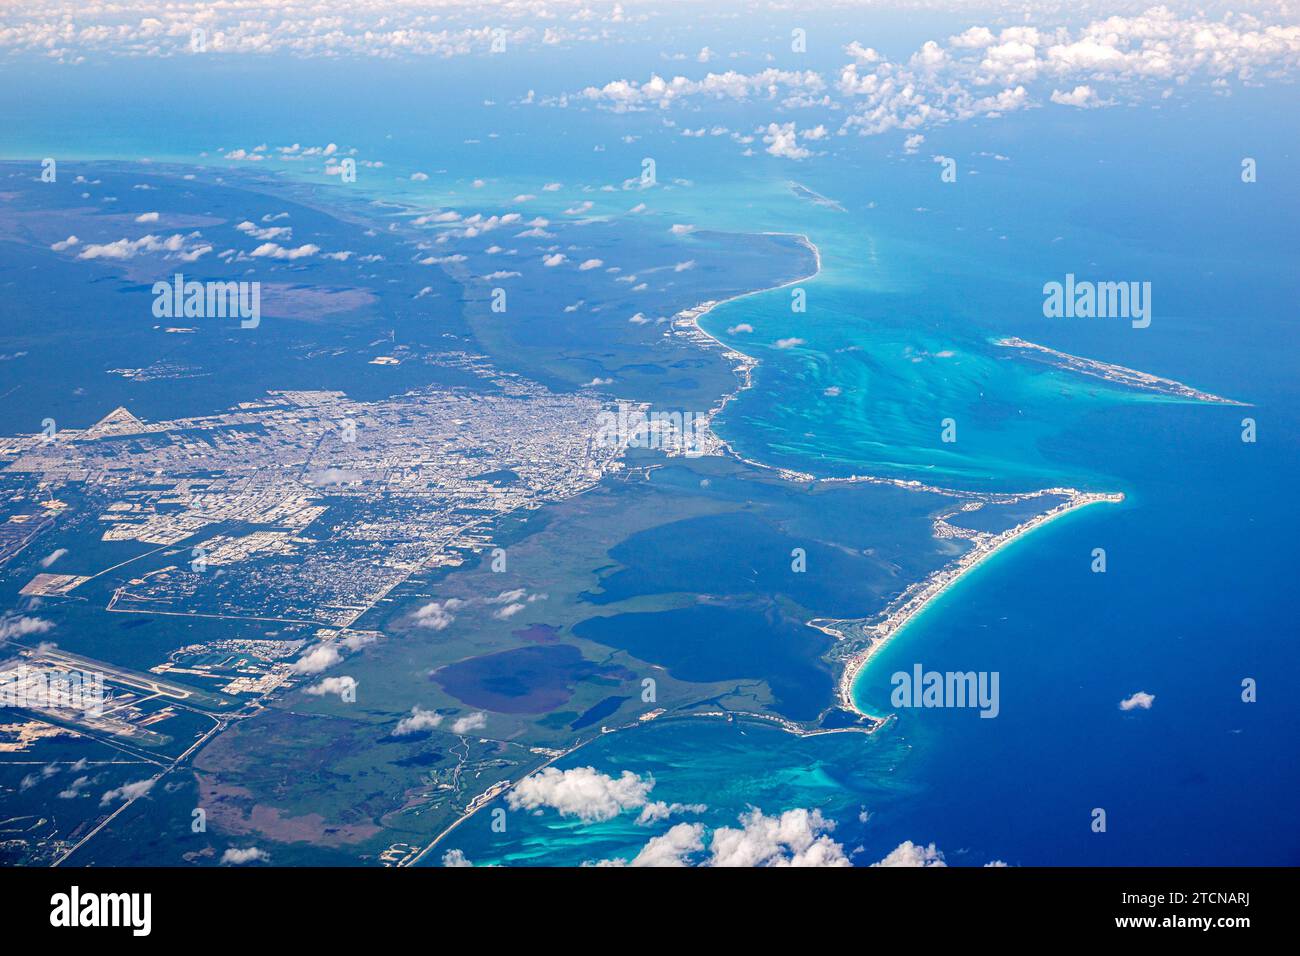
<point x="53" y="556"/>
<point x="437" y="616"/>
<point x="1081" y="96"/>
<point x="147" y="217"/>
<point x="174" y="246"/>
<point x="74" y="789"/>
<point x="268" y="232"/>
<point x="274" y="250"/>
<point x="319" y="658"/>
<point x="673" y="848"/>
<point x="1141" y="700"/>
<point x="455" y="858"/>
<point x="417" y="721"/>
<point x="128" y="791"/>
<point x="795" y="838"/>
<point x="783" y="141"/>
<point x="343" y="686"/>
<point x="622" y="95"/>
<point x="942" y="83"/>
<point x="658" y="810"/>
<point x="23" y="626"/>
<point x="908" y="853"/>
<point x="469" y="723"/>
<point x="237" y="856"/>
<point x="581" y="792"/>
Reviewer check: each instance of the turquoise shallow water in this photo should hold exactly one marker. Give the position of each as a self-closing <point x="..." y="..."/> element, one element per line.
<point x="1194" y="599"/>
<point x="918" y="276"/>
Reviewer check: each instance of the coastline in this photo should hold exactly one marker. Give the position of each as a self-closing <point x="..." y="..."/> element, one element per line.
<point x="1119" y="375"/>
<point x="502" y="787"/>
<point x="900" y="612"/>
<point x="687" y="324"/>
<point x="917" y="597"/>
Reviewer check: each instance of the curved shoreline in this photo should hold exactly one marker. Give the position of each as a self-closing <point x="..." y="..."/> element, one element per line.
<point x="917" y="597"/>
<point x="687" y="324"/>
<point x="896" y="615"/>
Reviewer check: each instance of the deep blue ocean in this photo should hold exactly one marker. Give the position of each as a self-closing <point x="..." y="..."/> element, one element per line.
<point x="918" y="276"/>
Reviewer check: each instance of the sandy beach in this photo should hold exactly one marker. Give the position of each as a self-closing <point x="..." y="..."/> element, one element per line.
<point x="916" y="598"/>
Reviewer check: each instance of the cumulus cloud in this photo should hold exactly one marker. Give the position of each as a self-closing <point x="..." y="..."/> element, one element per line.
<point x="273" y="250"/>
<point x="22" y="626"/>
<point x="437" y="616"/>
<point x="982" y="72"/>
<point x="319" y="658"/>
<point x="658" y="810"/>
<point x="53" y="556"/>
<point x="343" y="686"/>
<point x="783" y="141"/>
<point x="908" y="853"/>
<point x="417" y="721"/>
<point x="469" y="723"/>
<point x="581" y="792"/>
<point x="795" y="838"/>
<point x="1082" y="96"/>
<point x="673" y="848"/>
<point x="128" y="791"/>
<point x="237" y="856"/>
<point x="455" y="858"/>
<point x="169" y="247"/>
<point x="264" y="232"/>
<point x="74" y="789"/>
<point x="1140" y="700"/>
<point x="770" y="84"/>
